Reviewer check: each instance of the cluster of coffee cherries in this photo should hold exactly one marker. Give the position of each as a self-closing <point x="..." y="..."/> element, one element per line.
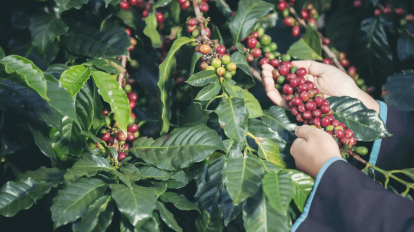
<point x="257" y="44"/>
<point x="140" y="5"/>
<point x="110" y="132"/>
<point x="308" y="105"/>
<point x="132" y="40"/>
<point x="223" y="66"/>
<point x="352" y="71"/>
<point x="192" y="28"/>
<point x="309" y="14"/>
<point x="203" y="5"/>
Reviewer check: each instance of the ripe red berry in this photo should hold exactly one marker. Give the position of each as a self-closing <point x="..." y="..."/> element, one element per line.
<point x="274" y="63"/>
<point x="296" y="101"/>
<point x="312" y="21"/>
<point x="133" y="2"/>
<point x="301" y="108"/>
<point x="399" y="11"/>
<point x="132" y="104"/>
<point x="121" y="136"/>
<point x="132" y="96"/>
<point x="325" y="102"/>
<point x="344" y="63"/>
<point x="377" y="12"/>
<point x="185" y="5"/>
<point x="160" y="17"/>
<point x="305" y="14"/>
<point x="307" y="115"/>
<point x="221" y="50"/>
<point x="342" y="55"/>
<point x="294" y="111"/>
<point x="105" y="112"/>
<point x="134" y="128"/>
<point x="294" y="82"/>
<point x="290" y="76"/>
<point x="352" y="141"/>
<point x="349" y="133"/>
<point x="288" y="64"/>
<point x="283" y="70"/>
<point x="387" y="10"/>
<point x="130" y="137"/>
<point x="318" y="101"/>
<point x="352" y="71"/>
<point x="128" y="31"/>
<point x="304" y="96"/>
<point x="310" y="105"/>
<point x="124" y="5"/>
<point x="290" y="104"/>
<point x="316" y="113"/>
<point x="329" y="132"/>
<point x="105" y="136"/>
<point x="126" y="146"/>
<point x="339" y="134"/>
<point x="289" y="21"/>
<point x="208" y="32"/>
<point x="254" y="34"/>
<point x="295" y="31"/>
<point x="301" y="72"/>
<point x="182" y="1"/>
<point x="310" y="84"/>
<point x="325" y="109"/>
<point x="326" y="41"/>
<point x="344" y="141"/>
<point x="327" y="61"/>
<point x="325" y="122"/>
<point x="317" y="122"/>
<point x="299" y="118"/>
<point x="301" y="80"/>
<point x="250" y="58"/>
<point x="192" y="22"/>
<point x="409" y="18"/>
<point x="342" y="125"/>
<point x="263" y="61"/>
<point x="256" y="52"/>
<point x="335" y="123"/>
<point x="121" y="156"/>
<point x="281" y="6"/>
<point x="203" y="7"/>
<point x="287" y="89"/>
<point x="357" y="4"/>
<point x="302" y="88"/>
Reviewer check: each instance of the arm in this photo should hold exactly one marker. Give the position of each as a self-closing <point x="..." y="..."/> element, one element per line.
<point x="343" y="198"/>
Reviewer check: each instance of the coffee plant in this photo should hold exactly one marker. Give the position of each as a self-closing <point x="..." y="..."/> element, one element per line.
<point x="136" y="115"/>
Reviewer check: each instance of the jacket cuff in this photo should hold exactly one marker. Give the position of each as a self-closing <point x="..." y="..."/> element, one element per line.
<point x="308" y="204"/>
<point x="377" y="144"/>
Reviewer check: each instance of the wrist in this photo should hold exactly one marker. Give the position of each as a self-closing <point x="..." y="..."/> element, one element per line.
<point x="368" y="101"/>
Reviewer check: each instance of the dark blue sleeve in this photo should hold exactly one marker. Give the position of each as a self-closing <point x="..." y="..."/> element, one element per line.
<point x="345" y="199"/>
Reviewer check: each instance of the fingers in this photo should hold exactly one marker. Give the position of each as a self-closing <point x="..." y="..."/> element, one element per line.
<point x="297" y="147"/>
<point x="268" y="67"/>
<point x="313" y="67"/>
<point x="269" y="86"/>
<point x="304" y="131"/>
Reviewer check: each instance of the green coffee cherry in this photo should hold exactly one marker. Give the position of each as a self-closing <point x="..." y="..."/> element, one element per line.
<point x="227" y="75"/>
<point x="131" y="121"/>
<point x="281" y="79"/>
<point x="266" y="49"/>
<point x="261" y="31"/>
<point x="233" y="72"/>
<point x="273" y="46"/>
<point x="102" y="130"/>
<point x="127" y="88"/>
<point x="329" y="128"/>
<point x="361" y="151"/>
<point x="293" y="70"/>
<point x="107" y="121"/>
<point x="286" y="57"/>
<point x="216" y="63"/>
<point x="277" y="54"/>
<point x="265" y="40"/>
<point x="258" y="45"/>
<point x="360" y="82"/>
<point x="225" y="59"/>
<point x="210" y="68"/>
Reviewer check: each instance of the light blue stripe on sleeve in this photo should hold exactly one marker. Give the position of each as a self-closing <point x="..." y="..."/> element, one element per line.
<point x="377" y="144"/>
<point x="312" y="194"/>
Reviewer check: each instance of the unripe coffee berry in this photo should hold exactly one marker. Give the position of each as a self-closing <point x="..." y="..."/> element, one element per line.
<point x="265" y="40"/>
<point x="287" y="89"/>
<point x="220" y="71"/>
<point x="225" y="59"/>
<point x="281" y="79"/>
<point x="275" y="74"/>
<point x="269" y="56"/>
<point x="216" y="63"/>
<point x="227" y="75"/>
<point x="361" y="151"/>
<point x="329" y="128"/>
<point x="205" y="49"/>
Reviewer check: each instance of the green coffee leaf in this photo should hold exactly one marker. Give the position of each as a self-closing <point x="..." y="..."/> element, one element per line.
<point x="277" y="186"/>
<point x="233" y="117"/>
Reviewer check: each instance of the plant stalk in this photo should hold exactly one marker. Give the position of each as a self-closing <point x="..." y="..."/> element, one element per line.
<point x="122" y="75"/>
<point x="200" y="20"/>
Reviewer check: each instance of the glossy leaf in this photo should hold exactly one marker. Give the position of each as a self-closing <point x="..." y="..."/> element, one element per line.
<point x="302" y="51"/>
<point x="149" y="172"/>
<point x="112" y="93"/>
<point x="233" y="117"/>
<point x="69" y="141"/>
<point x="223" y="7"/>
<point x="253" y="105"/>
<point x="180" y="149"/>
<point x="167" y="68"/>
<point x="42" y="141"/>
<point x="373" y="47"/>
<point x="75" y="199"/>
<point x="162" y="3"/>
<point x="228" y="86"/>
<point x="168" y="217"/>
<point x="242" y="177"/>
<point x="278" y="120"/>
<point x="269" y="166"/>
<point x="194" y="115"/>
<point x="135" y="203"/>
<point x="27" y="74"/>
<point x="232" y="148"/>
<point x="90" y="220"/>
<point x="110" y="66"/>
<point x="194" y="59"/>
<point x="179" y="201"/>
<point x="98" y="119"/>
<point x="278" y="188"/>
<point x="366" y="123"/>
<point x="405" y="47"/>
<point x="400" y="90"/>
<point x="260" y="216"/>
<point x="44" y="29"/>
<point x="2" y="54"/>
<point x="150" y="30"/>
<point x="346" y="20"/>
<point x="243" y="77"/>
<point x="44" y="174"/>
<point x="202" y="221"/>
<point x="203" y="78"/>
<point x="247" y="14"/>
<point x="88" y="166"/>
<point x="229" y="211"/>
<point x="208" y="92"/>
<point x="84" y="107"/>
<point x="84" y="40"/>
<point x="74" y="78"/>
<point x="67" y="4"/>
<point x="302" y="186"/>
<point x="56" y="70"/>
<point x="313" y="39"/>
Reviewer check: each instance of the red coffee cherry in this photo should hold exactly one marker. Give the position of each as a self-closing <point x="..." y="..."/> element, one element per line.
<point x="318" y="101"/>
<point x="130" y="137"/>
<point x="296" y="101"/>
<point x="348" y="133"/>
<point x="105" y="136"/>
<point x="281" y="6"/>
<point x="352" y="71"/>
<point x="344" y="141"/>
<point x="307" y="115"/>
<point x="121" y="156"/>
<point x="192" y="22"/>
<point x="289" y="21"/>
<point x="310" y="84"/>
<point x="263" y="61"/>
<point x="160" y="17"/>
<point x="295" y="31"/>
<point x="344" y="62"/>
<point x="317" y="122"/>
<point x="304" y="96"/>
<point x="301" y="108"/>
<point x="335" y="123"/>
<point x="254" y="34"/>
<point x="310" y="105"/>
<point x="316" y="113"/>
<point x="290" y="76"/>
<point x="287" y="89"/>
<point x="299" y="118"/>
<point x="132" y="96"/>
<point x="274" y="63"/>
<point x="377" y="12"/>
<point x="185" y="5"/>
<point x="294" y="82"/>
<point x="134" y="128"/>
<point x="256" y="52"/>
<point x="121" y="136"/>
<point x="325" y="122"/>
<point x="357" y="4"/>
<point x="294" y="111"/>
<point x="325" y="102"/>
<point x="283" y="70"/>
<point x="399" y="11"/>
<point x="301" y="72"/>
<point x="325" y="109"/>
<point x="305" y="14"/>
<point x="124" y="5"/>
<point x="132" y="104"/>
<point x="250" y="58"/>
<point x="339" y="133"/>
<point x="327" y="61"/>
<point x="326" y="41"/>
<point x="221" y="50"/>
<point x="182" y="1"/>
<point x="352" y="141"/>
<point x="203" y="7"/>
<point x="288" y="64"/>
<point x="126" y="146"/>
<point x="302" y="88"/>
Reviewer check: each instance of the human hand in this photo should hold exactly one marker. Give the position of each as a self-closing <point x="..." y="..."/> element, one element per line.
<point x="327" y="79"/>
<point x="312" y="148"/>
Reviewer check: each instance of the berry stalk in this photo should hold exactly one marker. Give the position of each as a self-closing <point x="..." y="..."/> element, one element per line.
<point x="200" y="20"/>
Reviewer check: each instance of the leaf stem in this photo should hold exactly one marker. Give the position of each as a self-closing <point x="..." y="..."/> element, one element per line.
<point x="325" y="48"/>
<point x="218" y="96"/>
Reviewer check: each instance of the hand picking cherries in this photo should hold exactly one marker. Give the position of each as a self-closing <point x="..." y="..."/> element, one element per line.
<point x="309" y="105"/>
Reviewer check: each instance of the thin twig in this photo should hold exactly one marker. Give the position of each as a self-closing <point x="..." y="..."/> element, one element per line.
<point x="325" y="48"/>
<point x="200" y="20"/>
<point x="122" y="75"/>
